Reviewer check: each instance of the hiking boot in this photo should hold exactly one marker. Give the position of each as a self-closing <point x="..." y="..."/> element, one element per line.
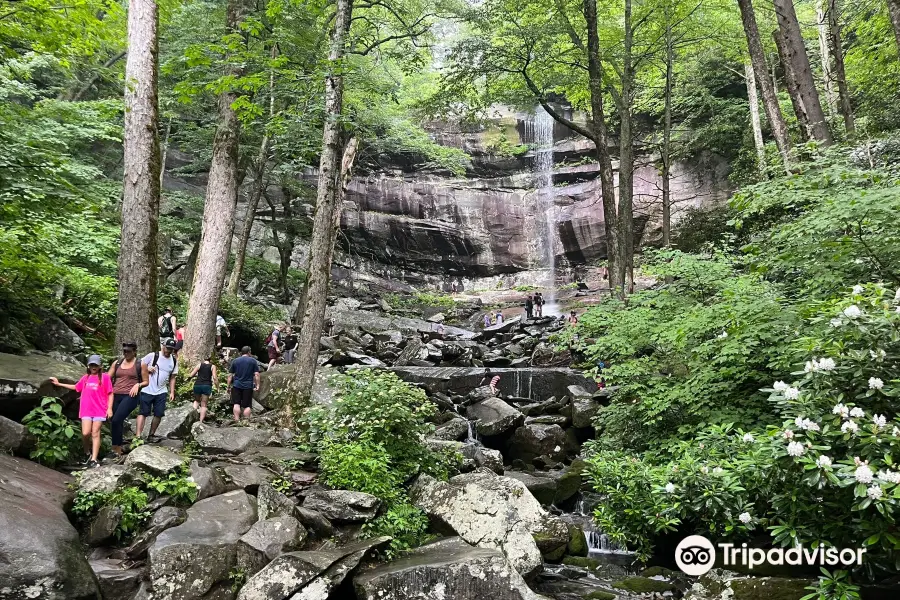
<point x="154" y="439"/>
<point x="92" y="464"/>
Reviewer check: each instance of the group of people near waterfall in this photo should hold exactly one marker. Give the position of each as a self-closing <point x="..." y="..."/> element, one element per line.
<point x="148" y="384"/>
<point x="534" y="306"/>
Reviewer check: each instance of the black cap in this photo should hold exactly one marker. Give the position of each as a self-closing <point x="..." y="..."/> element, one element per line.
<point x="132" y="345"/>
<point x="169" y="343"/>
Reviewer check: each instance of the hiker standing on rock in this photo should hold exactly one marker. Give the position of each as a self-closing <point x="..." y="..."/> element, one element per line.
<point x="221" y="326"/>
<point x="243" y="380"/>
<point x="168" y="324"/>
<point x="207" y="378"/>
<point x="529" y="306"/>
<point x="499" y="318"/>
<point x="273" y="344"/>
<point x="128" y="376"/>
<point x="538" y="305"/>
<point x="162" y="367"/>
<point x="95" y="406"/>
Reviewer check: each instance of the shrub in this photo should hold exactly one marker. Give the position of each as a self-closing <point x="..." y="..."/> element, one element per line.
<point x="56" y="436"/>
<point x="131" y="500"/>
<point x="179" y="485"/>
<point x="419" y="299"/>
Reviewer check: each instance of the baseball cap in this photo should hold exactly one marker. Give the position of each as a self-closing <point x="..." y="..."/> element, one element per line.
<point x="95" y="359"/>
<point x="169" y="343"/>
<point x="132" y="345"/>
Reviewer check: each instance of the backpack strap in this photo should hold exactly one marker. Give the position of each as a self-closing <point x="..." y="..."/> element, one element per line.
<point x="115" y="370"/>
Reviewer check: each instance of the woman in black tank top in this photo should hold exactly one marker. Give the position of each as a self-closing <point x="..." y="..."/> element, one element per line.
<point x="207" y="378"/>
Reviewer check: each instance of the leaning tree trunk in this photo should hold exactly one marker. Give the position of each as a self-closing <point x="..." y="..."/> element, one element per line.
<point x="667" y="139"/>
<point x="840" y="75"/>
<point x="755" y="122"/>
<point x="823" y="29"/>
<point x="790" y="82"/>
<point x="218" y="222"/>
<point x="136" y="313"/>
<point x="766" y="85"/>
<point x="894" y="10"/>
<point x="797" y="61"/>
<point x="626" y="161"/>
<point x="601" y="142"/>
<point x="321" y="247"/>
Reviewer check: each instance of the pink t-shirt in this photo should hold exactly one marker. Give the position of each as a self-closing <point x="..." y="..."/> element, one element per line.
<point x="94" y="396"/>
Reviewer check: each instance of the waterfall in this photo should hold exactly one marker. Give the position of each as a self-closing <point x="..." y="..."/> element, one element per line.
<point x="597" y="541"/>
<point x="546" y="193"/>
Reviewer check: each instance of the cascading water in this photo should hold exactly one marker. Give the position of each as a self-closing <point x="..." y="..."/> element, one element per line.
<point x="546" y="193"/>
<point x="597" y="541"/>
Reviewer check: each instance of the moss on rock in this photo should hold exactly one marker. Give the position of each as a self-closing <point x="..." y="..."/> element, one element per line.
<point x="769" y="588"/>
<point x="581" y="561"/>
<point x="577" y="544"/>
<point x="570" y="482"/>
<point x="656" y="572"/>
<point x="600" y="595"/>
<point x="643" y="585"/>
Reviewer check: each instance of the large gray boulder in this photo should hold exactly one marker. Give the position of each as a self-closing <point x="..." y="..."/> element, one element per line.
<point x="542" y="488"/>
<point x="342" y="505"/>
<point x="154" y="459"/>
<point x="530" y="441"/>
<point x="307" y="575"/>
<point x="271" y="503"/>
<point x="266" y="540"/>
<point x="104" y="479"/>
<point x="178" y="421"/>
<point x="494" y="417"/>
<point x="14" y="437"/>
<point x="448" y="568"/>
<point x="455" y="429"/>
<point x="187" y="561"/>
<point x="53" y="334"/>
<point x="244" y="477"/>
<point x="25" y="381"/>
<point x="209" y="481"/>
<point x="520" y="383"/>
<point x="116" y="579"/>
<point x="228" y="440"/>
<point x="164" y="518"/>
<point x="372" y="322"/>
<point x="40" y="553"/>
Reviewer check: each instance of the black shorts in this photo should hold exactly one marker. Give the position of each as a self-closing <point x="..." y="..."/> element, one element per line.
<point x="244" y="398"/>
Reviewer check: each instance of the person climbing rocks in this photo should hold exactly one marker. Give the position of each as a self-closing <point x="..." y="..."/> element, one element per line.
<point x="290" y="346"/>
<point x="168" y="324"/>
<point x="573" y="318"/>
<point x="273" y="344"/>
<point x="207" y="378"/>
<point x="243" y="380"/>
<point x="95" y="406"/>
<point x="499" y="318"/>
<point x="529" y="306"/>
<point x="453" y="287"/>
<point x="538" y="305"/>
<point x="440" y="331"/>
<point x="487" y="320"/>
<point x="179" y="339"/>
<point x="221" y="326"/>
<point x="162" y="366"/>
<point x="128" y="376"/>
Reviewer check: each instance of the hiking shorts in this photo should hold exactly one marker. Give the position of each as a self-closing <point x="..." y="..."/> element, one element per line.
<point x="201" y="389"/>
<point x="241" y="397"/>
<point x="273" y="353"/>
<point x="156" y="404"/>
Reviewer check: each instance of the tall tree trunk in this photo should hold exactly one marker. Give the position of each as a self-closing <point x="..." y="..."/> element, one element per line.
<point x="755" y="121"/>
<point x="136" y="312"/>
<point x="626" y="161"/>
<point x="218" y="221"/>
<point x="165" y="151"/>
<point x="840" y="75"/>
<point x="823" y="28"/>
<point x="766" y="86"/>
<point x="322" y="242"/>
<point x="894" y="10"/>
<point x="793" y="90"/>
<point x="601" y="142"/>
<point x="667" y="137"/>
<point x="798" y="62"/>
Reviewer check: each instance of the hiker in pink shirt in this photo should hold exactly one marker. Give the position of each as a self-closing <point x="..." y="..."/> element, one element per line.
<point x="95" y="406"/>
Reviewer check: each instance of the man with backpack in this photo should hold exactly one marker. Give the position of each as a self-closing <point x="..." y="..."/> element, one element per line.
<point x="167" y="325"/>
<point x="243" y="380"/>
<point x="273" y="344"/>
<point x="162" y="367"/>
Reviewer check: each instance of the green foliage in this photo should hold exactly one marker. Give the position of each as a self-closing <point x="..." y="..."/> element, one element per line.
<point x="179" y="485"/>
<point x="269" y="272"/>
<point x="419" y="299"/>
<point x="56" y="436"/>
<point x="131" y="500"/>
<point x="405" y="523"/>
<point x="833" y="586"/>
<point x="238" y="578"/>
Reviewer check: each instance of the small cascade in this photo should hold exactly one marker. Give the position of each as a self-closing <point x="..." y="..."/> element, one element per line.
<point x="472" y="433"/>
<point x="598" y="542"/>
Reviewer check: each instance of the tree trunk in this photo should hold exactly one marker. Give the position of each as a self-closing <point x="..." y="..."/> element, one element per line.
<point x="667" y="138"/>
<point x="894" y="10"/>
<point x="840" y="75"/>
<point x="322" y="242"/>
<point x="790" y="82"/>
<point x="136" y="312"/>
<point x="626" y="161"/>
<point x="165" y="151"/>
<point x="823" y="28"/>
<point x="755" y="122"/>
<point x="601" y="142"/>
<point x="798" y="62"/>
<point x="218" y="221"/>
<point x="766" y="86"/>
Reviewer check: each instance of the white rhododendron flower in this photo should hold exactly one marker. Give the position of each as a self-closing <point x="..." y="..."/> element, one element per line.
<point x="795" y="449"/>
<point x="875" y="383"/>
<point x="836" y="322"/>
<point x="745" y="518"/>
<point x="840" y="409"/>
<point x="896" y="431"/>
<point x="857" y="289"/>
<point x="827" y="364"/>
<point x="811" y="425"/>
<point x="856" y="412"/>
<point x="863" y="474"/>
<point x="850" y="426"/>
<point x="718" y="471"/>
<point x="748" y="437"/>
<point x="852" y="312"/>
<point x="889" y="476"/>
<point x="779" y="386"/>
<point x="670" y="487"/>
<point x="788" y="434"/>
<point x="880" y="355"/>
<point x="823" y="462"/>
<point x="811" y="366"/>
<point x="722" y="335"/>
<point x="880" y="421"/>
<point x="791" y="393"/>
<point x="874" y="492"/>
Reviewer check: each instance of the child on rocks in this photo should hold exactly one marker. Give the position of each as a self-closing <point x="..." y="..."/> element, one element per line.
<point x="95" y="406"/>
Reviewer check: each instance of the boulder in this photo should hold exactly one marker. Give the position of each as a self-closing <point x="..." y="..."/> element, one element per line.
<point x="454" y="429"/>
<point x="490" y="459"/>
<point x="531" y="441"/>
<point x="414" y="350"/>
<point x="448" y="568"/>
<point x="560" y="420"/>
<point x="522" y="383"/>
<point x="374" y="322"/>
<point x="243" y="477"/>
<point x="53" y="334"/>
<point x="315" y="522"/>
<point x="542" y="488"/>
<point x="209" y="482"/>
<point x="41" y="554"/>
<point x="14" y="437"/>
<point x="266" y="540"/>
<point x="275" y="455"/>
<point x="584" y="409"/>
<point x="228" y="440"/>
<point x="154" y="459"/>
<point x="102" y="527"/>
<point x="25" y="381"/>
<point x="187" y="561"/>
<point x="494" y="417"/>
<point x="270" y="381"/>
<point x="116" y="579"/>
<point x="343" y="505"/>
<point x="569" y="483"/>
<point x="307" y="575"/>
<point x="104" y="479"/>
<point x="272" y="504"/>
<point x="720" y="584"/>
<point x="164" y="518"/>
<point x="178" y="421"/>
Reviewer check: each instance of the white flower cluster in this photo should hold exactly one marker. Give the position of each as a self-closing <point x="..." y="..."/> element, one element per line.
<point x="863" y="474"/>
<point x="897" y="295"/>
<point x="806" y="424"/>
<point x="748" y="437"/>
<point x="849" y="426"/>
<point x="836" y="322"/>
<point x="823" y="364"/>
<point x="795" y="449"/>
<point x="745" y="518"/>
<point x="879" y="421"/>
<point x="670" y="488"/>
<point x="878" y="356"/>
<point x="823" y="462"/>
<point x="875" y="492"/>
<point x="875" y="383"/>
<point x="889" y="476"/>
<point x="856" y="412"/>
<point x="780" y="386"/>
<point x="722" y="335"/>
<point x="840" y="409"/>
<point x="857" y="289"/>
<point x="791" y="393"/>
<point x="852" y="312"/>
